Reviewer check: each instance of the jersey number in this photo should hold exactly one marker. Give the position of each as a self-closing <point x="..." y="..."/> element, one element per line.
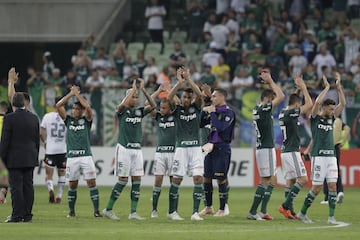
<point x="57" y="130"/>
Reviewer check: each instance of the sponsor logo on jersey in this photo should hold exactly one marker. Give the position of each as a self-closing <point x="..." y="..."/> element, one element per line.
<point x="77" y="152"/>
<point x="325" y="127"/>
<point x="133" y="120"/>
<point x="188" y="117"/>
<point x="76" y="128"/>
<point x="166" y="125"/>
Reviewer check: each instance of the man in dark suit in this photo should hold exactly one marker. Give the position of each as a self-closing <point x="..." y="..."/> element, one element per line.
<point x="19" y="150"/>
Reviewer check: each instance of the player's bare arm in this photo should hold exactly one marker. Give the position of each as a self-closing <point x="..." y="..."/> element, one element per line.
<point x="342" y="102"/>
<point x="319" y="100"/>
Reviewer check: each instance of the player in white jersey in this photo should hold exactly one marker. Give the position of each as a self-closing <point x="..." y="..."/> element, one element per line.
<point x="53" y="135"/>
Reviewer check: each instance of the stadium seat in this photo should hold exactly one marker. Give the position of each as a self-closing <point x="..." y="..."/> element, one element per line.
<point x="180" y="36"/>
<point x="133" y="49"/>
<point x="153" y="49"/>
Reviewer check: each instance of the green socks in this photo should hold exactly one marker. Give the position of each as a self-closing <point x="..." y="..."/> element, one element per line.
<point x="115" y="193"/>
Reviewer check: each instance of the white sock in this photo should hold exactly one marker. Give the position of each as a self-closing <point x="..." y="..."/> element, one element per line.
<point x="50" y="185"/>
<point x="61" y="184"/>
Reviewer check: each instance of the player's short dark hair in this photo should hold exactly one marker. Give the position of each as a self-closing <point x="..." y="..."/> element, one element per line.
<point x="328" y="102"/>
<point x="189" y="90"/>
<point x="18" y="100"/>
<point x="26" y="96"/>
<point x="78" y="103"/>
<point x="294" y="98"/>
<point x="267" y="93"/>
<point x="221" y="91"/>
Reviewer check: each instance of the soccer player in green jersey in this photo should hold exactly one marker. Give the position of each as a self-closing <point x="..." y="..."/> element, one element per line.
<point x="78" y="152"/>
<point x="165" y="149"/>
<point x="323" y="160"/>
<point x="188" y="154"/>
<point x="128" y="155"/>
<point x="265" y="146"/>
<point x="292" y="164"/>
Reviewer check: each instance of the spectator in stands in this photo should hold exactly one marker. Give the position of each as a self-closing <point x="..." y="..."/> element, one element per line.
<point x="196" y="10"/>
<point x="297" y="63"/>
<point x="177" y="58"/>
<point x="295" y="7"/>
<point x="250" y="25"/>
<point x="339" y="11"/>
<point x="248" y="47"/>
<point x="219" y="69"/>
<point x="274" y="62"/>
<point x="229" y="20"/>
<point x="140" y="62"/>
<point x="150" y="69"/>
<point x="36" y="84"/>
<point x="48" y="65"/>
<point x="129" y="69"/>
<point x="211" y="57"/>
<point x="310" y="78"/>
<point x="351" y="40"/>
<point x="163" y="76"/>
<point x="52" y="89"/>
<point x="222" y="7"/>
<point x="114" y="81"/>
<point x="242" y="81"/>
<point x="286" y="82"/>
<point x="118" y="56"/>
<point x="219" y="34"/>
<point x="210" y="23"/>
<point x="238" y="6"/>
<point x="89" y="45"/>
<point x="232" y="49"/>
<point x="290" y="46"/>
<point x="354" y="8"/>
<point x="309" y="45"/>
<point x="323" y="58"/>
<point x="101" y="60"/>
<point x="82" y="64"/>
<point x="325" y="31"/>
<point x="194" y="74"/>
<point x="208" y="78"/>
<point x="155" y="13"/>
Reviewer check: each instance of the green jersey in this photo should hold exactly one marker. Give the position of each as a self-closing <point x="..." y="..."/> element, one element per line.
<point x="187" y="126"/>
<point x="263" y="123"/>
<point x="130" y="131"/>
<point x="289" y="125"/>
<point x="77" y="137"/>
<point x="323" y="136"/>
<point x="166" y="133"/>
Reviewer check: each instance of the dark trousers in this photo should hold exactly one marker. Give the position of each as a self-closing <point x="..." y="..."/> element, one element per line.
<point x="339" y="185"/>
<point x="22" y="193"/>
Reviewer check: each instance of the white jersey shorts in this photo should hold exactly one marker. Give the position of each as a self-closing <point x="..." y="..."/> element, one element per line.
<point x="188" y="161"/>
<point x="77" y="165"/>
<point x="163" y="163"/>
<point x="292" y="165"/>
<point x="128" y="162"/>
<point x="266" y="162"/>
<point x="323" y="167"/>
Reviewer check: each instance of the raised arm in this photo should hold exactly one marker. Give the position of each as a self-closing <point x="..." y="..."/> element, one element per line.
<point x="342" y="101"/>
<point x="84" y="103"/>
<point x="149" y="99"/>
<point x="12" y="78"/>
<point x="177" y="86"/>
<point x="302" y="86"/>
<point x="279" y="95"/>
<point x="195" y="88"/>
<point x="61" y="103"/>
<point x="319" y="100"/>
<point x="125" y="102"/>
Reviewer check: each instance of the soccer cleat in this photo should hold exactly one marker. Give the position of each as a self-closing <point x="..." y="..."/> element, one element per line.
<point x="58" y="200"/>
<point x="324" y="202"/>
<point x="287" y="214"/>
<point x="135" y="216"/>
<point x="265" y="216"/>
<point x="110" y="214"/>
<point x="154" y="214"/>
<point x="340" y="197"/>
<point x="304" y="218"/>
<point x="226" y="209"/>
<point x="294" y="215"/>
<point x="174" y="216"/>
<point x="219" y="213"/>
<point x="196" y="217"/>
<point x="97" y="214"/>
<point x="51" y="196"/>
<point x="71" y="214"/>
<point x="254" y="217"/>
<point x="207" y="210"/>
<point x="332" y="220"/>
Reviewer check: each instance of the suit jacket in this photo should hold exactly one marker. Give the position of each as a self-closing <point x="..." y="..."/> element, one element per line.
<point x="20" y="140"/>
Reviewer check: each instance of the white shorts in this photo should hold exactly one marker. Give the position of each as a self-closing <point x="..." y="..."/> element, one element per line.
<point x="128" y="162"/>
<point x="77" y="165"/>
<point x="292" y="165"/>
<point x="188" y="161"/>
<point x="163" y="162"/>
<point x="323" y="167"/>
<point x="266" y="162"/>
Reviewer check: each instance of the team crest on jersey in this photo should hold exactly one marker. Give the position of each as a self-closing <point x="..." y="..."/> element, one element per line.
<point x="191" y="110"/>
<point x="330" y="121"/>
<point x="128" y="111"/>
<point x="171" y="118"/>
<point x="81" y="121"/>
<point x="227" y="119"/>
<point x="137" y="112"/>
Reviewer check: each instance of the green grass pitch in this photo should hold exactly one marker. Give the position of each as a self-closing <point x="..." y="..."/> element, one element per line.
<point x="50" y="220"/>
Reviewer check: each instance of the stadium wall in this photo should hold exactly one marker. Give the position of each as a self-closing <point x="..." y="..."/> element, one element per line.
<point x="242" y="173"/>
